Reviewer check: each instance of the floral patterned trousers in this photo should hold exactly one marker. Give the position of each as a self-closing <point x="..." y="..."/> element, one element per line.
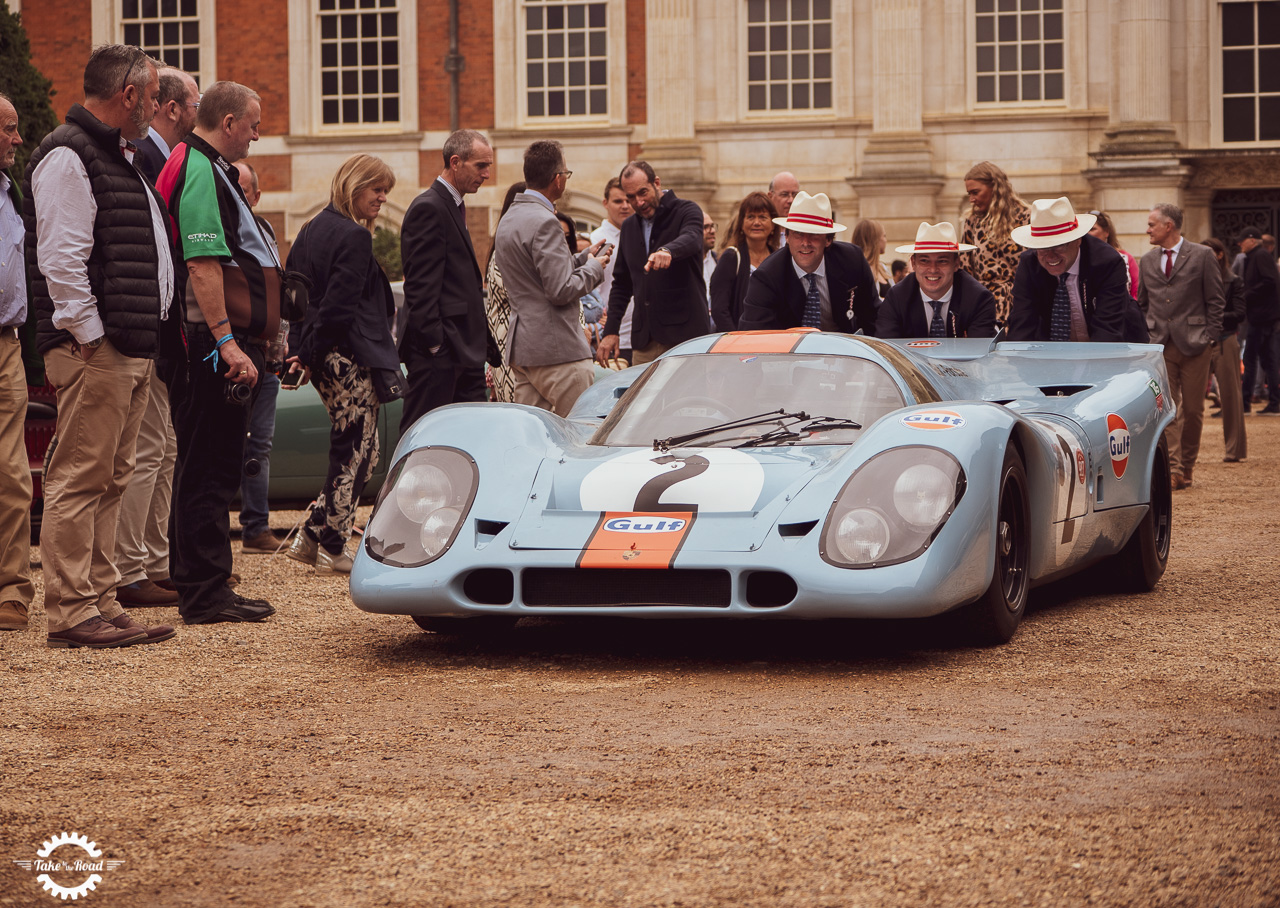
<point x="347" y="391"/>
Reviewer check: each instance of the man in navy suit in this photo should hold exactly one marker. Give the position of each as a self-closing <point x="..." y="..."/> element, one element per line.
<point x="937" y="299"/>
<point x="444" y="340"/>
<point x="812" y="282"/>
<point x="179" y="99"/>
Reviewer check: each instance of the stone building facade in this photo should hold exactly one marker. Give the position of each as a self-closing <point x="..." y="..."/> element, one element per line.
<point x="882" y="104"/>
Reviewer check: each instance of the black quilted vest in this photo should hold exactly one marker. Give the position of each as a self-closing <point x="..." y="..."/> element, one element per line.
<point x="123" y="265"/>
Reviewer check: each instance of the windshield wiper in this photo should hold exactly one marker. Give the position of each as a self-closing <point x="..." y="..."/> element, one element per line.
<point x="788" y="433"/>
<point x="675" y="441"/>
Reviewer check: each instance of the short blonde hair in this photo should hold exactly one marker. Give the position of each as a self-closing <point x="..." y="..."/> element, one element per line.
<point x="357" y="173"/>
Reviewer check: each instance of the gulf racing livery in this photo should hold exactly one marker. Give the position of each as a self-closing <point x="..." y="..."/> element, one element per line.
<point x="786" y="474"/>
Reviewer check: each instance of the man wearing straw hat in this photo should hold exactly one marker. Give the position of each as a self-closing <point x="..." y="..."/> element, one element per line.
<point x="937" y="299"/>
<point x="811" y="282"/>
<point x="1070" y="286"/>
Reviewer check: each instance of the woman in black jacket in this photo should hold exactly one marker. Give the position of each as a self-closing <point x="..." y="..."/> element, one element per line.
<point x="346" y="336"/>
<point x="751" y="237"/>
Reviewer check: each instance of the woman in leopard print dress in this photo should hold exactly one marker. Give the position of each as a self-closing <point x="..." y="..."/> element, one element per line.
<point x="995" y="210"/>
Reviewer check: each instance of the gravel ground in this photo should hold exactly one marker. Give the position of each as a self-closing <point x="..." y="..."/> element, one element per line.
<point x="1119" y="751"/>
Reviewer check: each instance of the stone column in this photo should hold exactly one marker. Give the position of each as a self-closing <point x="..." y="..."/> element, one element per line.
<point x="897" y="185"/>
<point x="671" y="76"/>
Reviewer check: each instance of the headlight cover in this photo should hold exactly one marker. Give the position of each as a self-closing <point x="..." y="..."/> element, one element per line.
<point x="421" y="507"/>
<point x="891" y="509"/>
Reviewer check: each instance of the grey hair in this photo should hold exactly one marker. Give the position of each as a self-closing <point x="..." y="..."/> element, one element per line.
<point x="462" y="143"/>
<point x="1170" y="212"/>
<point x="222" y="98"/>
<point x="110" y="65"/>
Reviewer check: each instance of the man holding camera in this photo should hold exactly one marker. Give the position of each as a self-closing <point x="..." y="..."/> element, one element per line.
<point x="230" y="290"/>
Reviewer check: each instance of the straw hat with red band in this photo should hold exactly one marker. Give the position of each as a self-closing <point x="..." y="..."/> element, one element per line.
<point x="1053" y="222"/>
<point x="935" y="238"/>
<point x="810" y="214"/>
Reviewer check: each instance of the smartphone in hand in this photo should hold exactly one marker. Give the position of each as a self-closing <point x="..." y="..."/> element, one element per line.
<point x="293" y="378"/>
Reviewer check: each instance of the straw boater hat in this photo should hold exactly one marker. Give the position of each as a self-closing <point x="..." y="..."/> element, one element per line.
<point x="935" y="238"/>
<point x="810" y="214"/>
<point x="1053" y="222"/>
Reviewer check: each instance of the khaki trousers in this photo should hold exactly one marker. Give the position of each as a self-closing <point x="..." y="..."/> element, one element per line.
<point x="556" y="387"/>
<point x="648" y="354"/>
<point x="100" y="407"/>
<point x="1188" y="376"/>
<point x="1226" y="366"/>
<point x="142" y="535"/>
<point x="15" y="476"/>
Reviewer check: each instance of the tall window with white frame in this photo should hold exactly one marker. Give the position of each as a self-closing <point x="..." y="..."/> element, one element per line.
<point x="1019" y="51"/>
<point x="168" y="30"/>
<point x="788" y="55"/>
<point x="566" y="59"/>
<point x="1251" y="72"/>
<point x="359" y="61"/>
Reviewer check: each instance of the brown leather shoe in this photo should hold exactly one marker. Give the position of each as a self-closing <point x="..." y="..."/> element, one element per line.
<point x="1177" y="482"/>
<point x="265" y="543"/>
<point x="155" y="633"/>
<point x="96" y="633"/>
<point x="144" y="594"/>
<point x="13" y="616"/>
<point x="164" y="583"/>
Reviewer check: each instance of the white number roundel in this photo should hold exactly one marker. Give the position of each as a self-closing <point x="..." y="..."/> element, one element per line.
<point x="714" y="479"/>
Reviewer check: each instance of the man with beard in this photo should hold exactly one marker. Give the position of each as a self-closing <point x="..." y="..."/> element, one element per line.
<point x="179" y="100"/>
<point x="102" y="283"/>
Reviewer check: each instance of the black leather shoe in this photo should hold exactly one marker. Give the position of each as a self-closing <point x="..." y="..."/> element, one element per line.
<point x="240" y="610"/>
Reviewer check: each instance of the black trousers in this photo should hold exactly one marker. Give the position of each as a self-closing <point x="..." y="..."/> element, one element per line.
<point x="211" y="435"/>
<point x="438" y="380"/>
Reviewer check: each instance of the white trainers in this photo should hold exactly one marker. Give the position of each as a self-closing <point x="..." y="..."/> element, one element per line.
<point x="303" y="548"/>
<point x="333" y="564"/>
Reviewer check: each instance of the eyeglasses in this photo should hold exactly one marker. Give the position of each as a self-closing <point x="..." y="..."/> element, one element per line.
<point x="564" y="173"/>
<point x="711" y="226"/>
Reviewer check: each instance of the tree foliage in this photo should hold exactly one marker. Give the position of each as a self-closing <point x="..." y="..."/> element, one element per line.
<point x="30" y="90"/>
<point x="386" y="249"/>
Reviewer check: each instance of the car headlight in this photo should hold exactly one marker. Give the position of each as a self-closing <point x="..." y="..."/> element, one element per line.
<point x="892" y="507"/>
<point x="426" y="497"/>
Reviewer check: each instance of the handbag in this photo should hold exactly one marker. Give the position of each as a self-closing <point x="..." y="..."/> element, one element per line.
<point x="388" y="384"/>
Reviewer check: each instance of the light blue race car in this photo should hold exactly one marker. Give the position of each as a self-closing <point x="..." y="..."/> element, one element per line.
<point x="785" y="474"/>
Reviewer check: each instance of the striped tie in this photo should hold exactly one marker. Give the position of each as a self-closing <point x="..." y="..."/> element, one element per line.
<point x="937" y="328"/>
<point x="1060" y="325"/>
<point x="812" y="305"/>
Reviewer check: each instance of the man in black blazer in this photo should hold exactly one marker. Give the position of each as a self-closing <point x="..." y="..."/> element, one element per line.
<point x="658" y="269"/>
<point x="443" y="344"/>
<point x="1262" y="309"/>
<point x="937" y="299"/>
<point x="1097" y="304"/>
<point x="812" y="281"/>
<point x="179" y="99"/>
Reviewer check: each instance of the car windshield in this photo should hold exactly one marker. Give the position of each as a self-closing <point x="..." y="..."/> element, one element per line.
<point x="681" y="395"/>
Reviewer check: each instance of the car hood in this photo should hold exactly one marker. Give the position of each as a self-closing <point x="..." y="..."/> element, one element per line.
<point x="736" y="495"/>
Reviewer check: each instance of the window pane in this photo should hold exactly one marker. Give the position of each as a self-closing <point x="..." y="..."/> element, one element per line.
<point x="1268" y="28"/>
<point x="390" y="110"/>
<point x="800" y="96"/>
<point x="986" y="29"/>
<point x="1237" y="120"/>
<point x="577" y="102"/>
<point x="755" y="11"/>
<point x="1008" y="58"/>
<point x="800" y="37"/>
<point x="1237" y="71"/>
<point x="1269" y="69"/>
<point x="777" y="10"/>
<point x="755" y="68"/>
<point x="1008" y="88"/>
<point x="329" y="83"/>
<point x="822" y="95"/>
<point x="778" y="97"/>
<point x="555" y="74"/>
<point x="577" y="44"/>
<point x="577" y="16"/>
<point x="1030" y="56"/>
<point x="189" y="8"/>
<point x="1053" y="56"/>
<point x="777" y="37"/>
<point x="533" y="75"/>
<point x="1053" y="26"/>
<point x="351" y="111"/>
<point x="133" y="34"/>
<point x="985" y="6"/>
<point x="168" y="8"/>
<point x="555" y="17"/>
<point x="822" y="9"/>
<point x="821" y="37"/>
<point x="1008" y="28"/>
<point x="391" y="81"/>
<point x="800" y="66"/>
<point x="555" y="104"/>
<point x="1031" y="28"/>
<point x="533" y="18"/>
<point x="151" y="34"/>
<point x="390" y="53"/>
<point x="533" y="47"/>
<point x="351" y="82"/>
<point x="799" y="9"/>
<point x="1053" y="90"/>
<point x="822" y="66"/>
<point x="129" y="9"/>
<point x="599" y="72"/>
<point x="777" y="66"/>
<point x="596" y="15"/>
<point x="536" y="108"/>
<point x="371" y="109"/>
<point x="597" y="45"/>
<point x="555" y="45"/>
<point x="1031" y="87"/>
<point x="986" y="88"/>
<point x="986" y="59"/>
<point x="329" y="111"/>
<point x="577" y="73"/>
<point x="1269" y="119"/>
<point x="369" y="81"/>
<point x="756" y="97"/>
<point x="1237" y="24"/>
<point x="599" y="101"/>
<point x="755" y="39"/>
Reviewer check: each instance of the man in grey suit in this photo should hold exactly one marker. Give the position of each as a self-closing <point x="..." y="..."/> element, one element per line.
<point x="1180" y="291"/>
<point x="546" y="347"/>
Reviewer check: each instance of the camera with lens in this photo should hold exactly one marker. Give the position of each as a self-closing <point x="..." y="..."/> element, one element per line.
<point x="237" y="394"/>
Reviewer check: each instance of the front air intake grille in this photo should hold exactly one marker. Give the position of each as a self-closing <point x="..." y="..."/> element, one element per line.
<point x="619" y="587"/>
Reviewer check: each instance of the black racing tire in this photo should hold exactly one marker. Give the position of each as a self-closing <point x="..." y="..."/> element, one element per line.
<point x="1142" y="561"/>
<point x="994" y="617"/>
<point x="479" y="626"/>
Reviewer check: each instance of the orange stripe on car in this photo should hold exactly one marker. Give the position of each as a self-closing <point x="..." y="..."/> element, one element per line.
<point x="761" y="341"/>
<point x="624" y="539"/>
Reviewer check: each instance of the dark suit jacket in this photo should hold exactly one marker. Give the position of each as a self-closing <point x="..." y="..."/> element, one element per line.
<point x="971" y="312"/>
<point x="443" y="295"/>
<point x="1109" y="311"/>
<point x="149" y="159"/>
<point x="1261" y="287"/>
<point x="729" y="284"/>
<point x="351" y="304"/>
<point x="776" y="296"/>
<point x="670" y="305"/>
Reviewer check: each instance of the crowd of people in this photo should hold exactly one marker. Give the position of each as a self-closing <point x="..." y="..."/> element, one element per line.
<point x="167" y="323"/>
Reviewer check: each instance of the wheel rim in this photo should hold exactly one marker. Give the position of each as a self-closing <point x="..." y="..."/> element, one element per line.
<point x="1161" y="509"/>
<point x="1011" y="544"/>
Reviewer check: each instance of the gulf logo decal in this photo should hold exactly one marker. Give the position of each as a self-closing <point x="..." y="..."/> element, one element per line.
<point x="633" y="540"/>
<point x="933" y="419"/>
<point x="1118" y="443"/>
<point x="1080" y="465"/>
<point x="923" y="344"/>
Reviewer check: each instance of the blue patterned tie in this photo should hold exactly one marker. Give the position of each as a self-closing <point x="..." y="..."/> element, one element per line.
<point x="812" y="305"/>
<point x="1060" y="324"/>
<point x="937" y="327"/>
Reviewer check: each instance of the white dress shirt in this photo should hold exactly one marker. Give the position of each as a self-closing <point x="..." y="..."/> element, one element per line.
<point x="610" y="234"/>
<point x="65" y="213"/>
<point x="945" y="299"/>
<point x="13" y="272"/>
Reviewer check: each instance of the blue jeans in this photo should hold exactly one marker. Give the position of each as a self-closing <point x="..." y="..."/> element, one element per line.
<point x="254" y="511"/>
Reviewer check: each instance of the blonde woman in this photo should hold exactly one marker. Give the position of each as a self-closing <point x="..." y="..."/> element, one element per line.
<point x="994" y="210"/>
<point x="346" y="337"/>
<point x="870" y="237"/>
